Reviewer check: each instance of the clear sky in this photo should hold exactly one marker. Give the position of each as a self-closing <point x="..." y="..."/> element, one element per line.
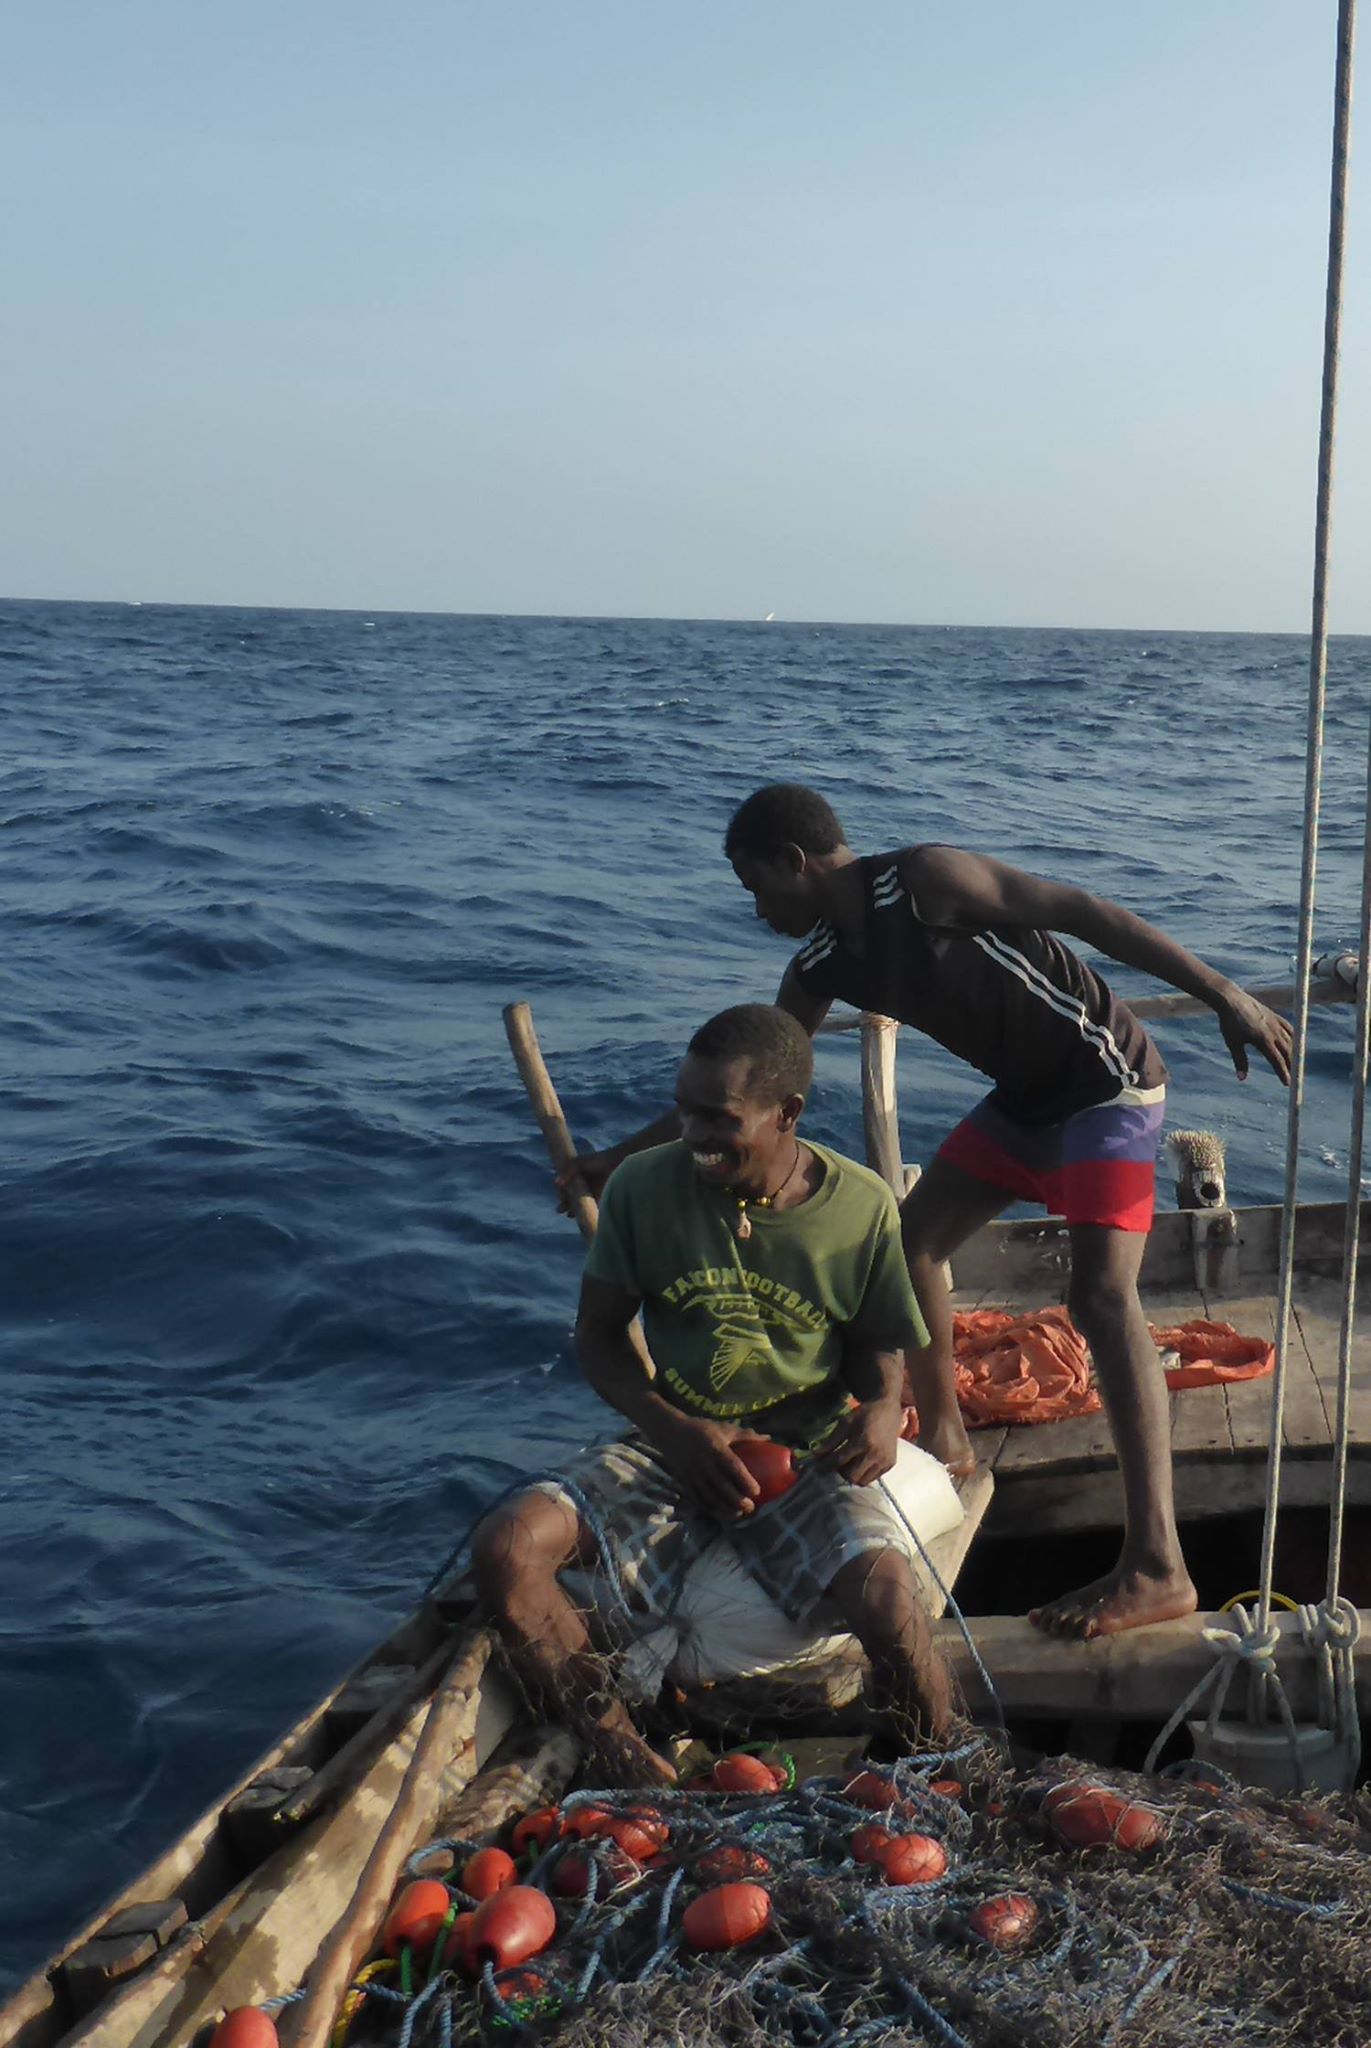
<point x="1005" y="313"/>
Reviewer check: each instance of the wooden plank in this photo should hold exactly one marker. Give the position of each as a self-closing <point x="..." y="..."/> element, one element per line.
<point x="1249" y="1401"/>
<point x="1319" y="1312"/>
<point x="1080" y="1444"/>
<point x="1142" y="1674"/>
<point x="1200" y="1424"/>
<point x="1305" y="1426"/>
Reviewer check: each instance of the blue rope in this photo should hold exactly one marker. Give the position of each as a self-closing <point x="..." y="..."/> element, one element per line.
<point x="416" y="2007"/>
<point x="955" y="1611"/>
<point x="931" y="2017"/>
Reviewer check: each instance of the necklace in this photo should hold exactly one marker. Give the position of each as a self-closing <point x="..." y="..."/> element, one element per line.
<point x="744" y="1224"/>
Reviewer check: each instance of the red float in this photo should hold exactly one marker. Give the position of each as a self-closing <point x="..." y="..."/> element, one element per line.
<point x="741" y="1772"/>
<point x="870" y="1789"/>
<point x="730" y="1863"/>
<point x="640" y="1833"/>
<point x="415" y="1918"/>
<point x="457" y="1947"/>
<point x="913" y="1859"/>
<point x="1006" y="1920"/>
<point x="586" y="1821"/>
<point x="727" y="1917"/>
<point x="247" y="2026"/>
<point x="487" y="1872"/>
<point x="947" y="1788"/>
<point x="536" y="1830"/>
<point x="515" y="1924"/>
<point x="772" y="1465"/>
<point x="1093" y="1817"/>
<point x="870" y="1843"/>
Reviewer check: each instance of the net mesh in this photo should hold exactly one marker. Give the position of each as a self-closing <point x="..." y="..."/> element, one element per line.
<point x="1179" y="1910"/>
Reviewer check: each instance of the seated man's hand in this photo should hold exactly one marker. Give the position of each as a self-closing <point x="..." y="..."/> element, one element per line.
<point x="699" y="1453"/>
<point x="864" y="1444"/>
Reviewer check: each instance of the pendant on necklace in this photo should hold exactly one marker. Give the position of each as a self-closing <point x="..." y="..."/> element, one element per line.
<point x="744" y="1224"/>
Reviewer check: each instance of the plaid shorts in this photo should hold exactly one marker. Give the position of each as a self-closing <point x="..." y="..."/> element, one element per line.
<point x="794" y="1547"/>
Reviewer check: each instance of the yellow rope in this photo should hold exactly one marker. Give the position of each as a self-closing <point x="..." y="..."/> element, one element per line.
<point x="356" y="1997"/>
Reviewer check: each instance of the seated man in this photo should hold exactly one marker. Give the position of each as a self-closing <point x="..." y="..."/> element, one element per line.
<point x="775" y="1301"/>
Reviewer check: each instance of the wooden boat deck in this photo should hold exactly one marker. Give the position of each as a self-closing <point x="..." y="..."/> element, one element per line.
<point x="1063" y="1475"/>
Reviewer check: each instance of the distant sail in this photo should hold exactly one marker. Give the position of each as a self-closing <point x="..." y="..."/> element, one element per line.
<point x="769" y="617"/>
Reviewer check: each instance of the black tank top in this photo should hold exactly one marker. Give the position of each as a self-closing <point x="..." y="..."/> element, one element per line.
<point x="1016" y="1003"/>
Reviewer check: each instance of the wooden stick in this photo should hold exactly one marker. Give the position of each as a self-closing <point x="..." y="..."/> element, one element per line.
<point x="880" y="1106"/>
<point x="528" y="1058"/>
<point x="309" y="2024"/>
<point x="349" y="1761"/>
<point x="1335" y="981"/>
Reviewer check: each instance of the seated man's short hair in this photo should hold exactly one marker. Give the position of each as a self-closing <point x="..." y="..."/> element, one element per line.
<point x="777" y="1049"/>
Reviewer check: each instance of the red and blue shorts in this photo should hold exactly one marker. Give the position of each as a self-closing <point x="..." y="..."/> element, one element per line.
<point x="1098" y="1166"/>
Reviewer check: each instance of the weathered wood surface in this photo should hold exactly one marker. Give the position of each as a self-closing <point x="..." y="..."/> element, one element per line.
<point x="202" y="1867"/>
<point x="261" y="1939"/>
<point x="444" y="1759"/>
<point x="1063" y="1475"/>
<point x="1140" y="1675"/>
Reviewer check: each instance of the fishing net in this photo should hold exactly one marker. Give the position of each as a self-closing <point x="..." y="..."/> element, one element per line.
<point x="1054" y="1904"/>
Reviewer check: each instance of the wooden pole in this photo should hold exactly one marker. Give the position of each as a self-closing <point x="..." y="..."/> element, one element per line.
<point x="1336" y="977"/>
<point x="528" y="1058"/>
<point x="309" y="2024"/>
<point x="880" y="1107"/>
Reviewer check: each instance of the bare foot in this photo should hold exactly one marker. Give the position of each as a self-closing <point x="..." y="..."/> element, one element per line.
<point x="1120" y="1600"/>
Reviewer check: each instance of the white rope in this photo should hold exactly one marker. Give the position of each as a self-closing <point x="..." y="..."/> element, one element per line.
<point x="1249" y="1645"/>
<point x="1313" y="781"/>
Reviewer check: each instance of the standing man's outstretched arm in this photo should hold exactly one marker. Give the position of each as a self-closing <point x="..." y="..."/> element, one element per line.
<point x="953" y="887"/>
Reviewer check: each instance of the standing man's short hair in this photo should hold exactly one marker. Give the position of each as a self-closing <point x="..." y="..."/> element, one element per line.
<point x="783" y="814"/>
<point x="776" y="1047"/>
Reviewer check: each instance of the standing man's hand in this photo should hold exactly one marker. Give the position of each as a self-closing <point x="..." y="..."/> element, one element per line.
<point x="863" y="1446"/>
<point x="592" y="1168"/>
<point x="699" y="1454"/>
<point x="1244" y="1021"/>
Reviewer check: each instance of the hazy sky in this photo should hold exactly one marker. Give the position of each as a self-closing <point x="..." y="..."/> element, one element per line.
<point x="898" y="309"/>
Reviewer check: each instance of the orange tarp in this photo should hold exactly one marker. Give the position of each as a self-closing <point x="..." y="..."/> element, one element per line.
<point x="1036" y="1367"/>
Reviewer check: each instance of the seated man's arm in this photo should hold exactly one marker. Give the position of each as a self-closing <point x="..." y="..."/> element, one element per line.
<point x="614" y="1359"/>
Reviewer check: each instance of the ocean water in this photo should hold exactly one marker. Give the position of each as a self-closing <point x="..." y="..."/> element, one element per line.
<point x="285" y="1298"/>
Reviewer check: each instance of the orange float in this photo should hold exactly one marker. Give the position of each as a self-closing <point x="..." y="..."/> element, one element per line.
<point x="536" y="1830"/>
<point x="457" y="1947"/>
<point x="870" y="1843"/>
<point x="415" y="1918"/>
<point x="912" y="1859"/>
<point x="772" y="1465"/>
<point x="947" y="1788"/>
<point x="727" y="1917"/>
<point x="730" y="1863"/>
<point x="487" y="1872"/>
<point x="872" y="1790"/>
<point x="741" y="1772"/>
<point x="1092" y="1817"/>
<point x="509" y="1928"/>
<point x="247" y="2026"/>
<point x="1006" y="1920"/>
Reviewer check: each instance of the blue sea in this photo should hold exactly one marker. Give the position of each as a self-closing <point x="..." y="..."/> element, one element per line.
<point x="285" y="1295"/>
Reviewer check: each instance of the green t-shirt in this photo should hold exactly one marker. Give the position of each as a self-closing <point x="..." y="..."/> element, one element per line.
<point x="737" y="1327"/>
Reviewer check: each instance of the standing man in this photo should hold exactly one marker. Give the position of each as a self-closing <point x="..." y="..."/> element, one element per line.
<point x="962" y="947"/>
<point x="775" y="1302"/>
